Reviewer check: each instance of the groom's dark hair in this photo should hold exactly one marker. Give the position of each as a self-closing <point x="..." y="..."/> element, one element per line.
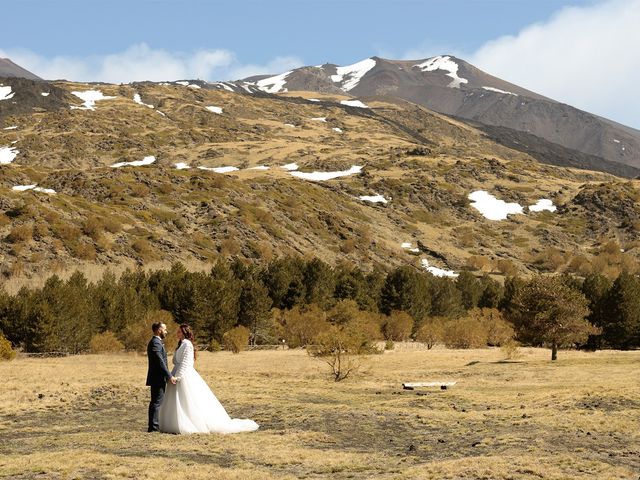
<point x="155" y="326"/>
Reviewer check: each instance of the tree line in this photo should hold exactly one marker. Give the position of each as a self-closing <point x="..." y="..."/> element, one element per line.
<point x="296" y="299"/>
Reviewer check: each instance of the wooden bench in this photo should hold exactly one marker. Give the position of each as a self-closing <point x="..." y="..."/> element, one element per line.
<point x="414" y="385"/>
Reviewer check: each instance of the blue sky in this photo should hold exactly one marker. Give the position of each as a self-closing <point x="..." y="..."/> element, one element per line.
<point x="340" y="31"/>
<point x="549" y="46"/>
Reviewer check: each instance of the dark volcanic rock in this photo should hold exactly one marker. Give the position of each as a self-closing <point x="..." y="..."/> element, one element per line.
<point x="27" y="97"/>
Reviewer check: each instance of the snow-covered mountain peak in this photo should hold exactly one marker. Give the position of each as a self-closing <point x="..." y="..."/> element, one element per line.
<point x="350" y="76"/>
<point x="273" y="84"/>
<point x="443" y="63"/>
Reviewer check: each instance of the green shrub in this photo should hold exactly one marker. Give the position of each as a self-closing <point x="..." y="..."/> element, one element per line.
<point x="299" y="326"/>
<point x="112" y="225"/>
<point x="465" y="332"/>
<point x="236" y="339"/>
<point x="84" y="251"/>
<point x="431" y="332"/>
<point x="214" y="345"/>
<point x="398" y="326"/>
<point x="136" y="336"/>
<point x="6" y="351"/>
<point x="339" y="349"/>
<point x="510" y="349"/>
<point x="66" y="231"/>
<point x="20" y="233"/>
<point x="92" y="227"/>
<point x="105" y="342"/>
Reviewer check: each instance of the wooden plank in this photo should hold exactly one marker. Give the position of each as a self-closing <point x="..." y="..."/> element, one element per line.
<point x="442" y="385"/>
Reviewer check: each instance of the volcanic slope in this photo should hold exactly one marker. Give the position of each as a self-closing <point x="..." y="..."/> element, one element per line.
<point x="10" y="69"/>
<point x="452" y="86"/>
<point x="168" y="201"/>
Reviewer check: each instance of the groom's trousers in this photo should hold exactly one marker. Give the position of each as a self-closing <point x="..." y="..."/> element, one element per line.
<point x="157" y="394"/>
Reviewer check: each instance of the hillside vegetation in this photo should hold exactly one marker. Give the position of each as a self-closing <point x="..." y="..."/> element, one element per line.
<point x="424" y="164"/>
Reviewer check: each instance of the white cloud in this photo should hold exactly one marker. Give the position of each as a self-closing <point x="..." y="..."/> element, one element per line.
<point x="584" y="56"/>
<point x="141" y="62"/>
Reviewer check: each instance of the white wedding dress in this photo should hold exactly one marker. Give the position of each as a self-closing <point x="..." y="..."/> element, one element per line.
<point x="190" y="406"/>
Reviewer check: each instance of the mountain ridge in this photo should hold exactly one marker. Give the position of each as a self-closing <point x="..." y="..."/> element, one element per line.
<point x="11" y="69"/>
<point x="454" y="87"/>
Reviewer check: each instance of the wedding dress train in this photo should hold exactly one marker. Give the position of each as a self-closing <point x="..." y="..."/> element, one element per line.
<point x="190" y="406"/>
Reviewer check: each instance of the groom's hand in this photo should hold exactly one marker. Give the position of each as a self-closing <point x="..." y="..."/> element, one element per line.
<point x="173" y="380"/>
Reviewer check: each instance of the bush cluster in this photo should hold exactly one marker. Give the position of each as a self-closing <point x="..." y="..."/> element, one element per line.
<point x="298" y="300"/>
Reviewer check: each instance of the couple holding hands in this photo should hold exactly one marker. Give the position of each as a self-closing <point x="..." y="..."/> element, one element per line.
<point x="181" y="401"/>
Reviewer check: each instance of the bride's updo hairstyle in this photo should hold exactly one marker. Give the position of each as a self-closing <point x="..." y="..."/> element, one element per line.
<point x="187" y="332"/>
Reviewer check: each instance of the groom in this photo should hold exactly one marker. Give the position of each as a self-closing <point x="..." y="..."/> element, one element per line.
<point x="158" y="373"/>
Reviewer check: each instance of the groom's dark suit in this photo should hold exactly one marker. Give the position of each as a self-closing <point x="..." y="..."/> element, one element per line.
<point x="157" y="377"/>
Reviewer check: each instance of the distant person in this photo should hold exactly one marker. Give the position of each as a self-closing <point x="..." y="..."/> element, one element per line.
<point x="189" y="405"/>
<point x="158" y="373"/>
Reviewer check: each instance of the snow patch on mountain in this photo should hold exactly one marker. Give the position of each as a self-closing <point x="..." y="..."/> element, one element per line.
<point x="408" y="246"/>
<point x="223" y="85"/>
<point x="438" y="272"/>
<point x="13" y="127"/>
<point x="336" y="129"/>
<point x="219" y="169"/>
<point x="182" y="166"/>
<point x="213" y="109"/>
<point x="290" y="167"/>
<point x="542" y="205"/>
<point x="373" y="198"/>
<point x="6" y="93"/>
<point x="322" y="176"/>
<point x="492" y="208"/>
<point x="45" y="94"/>
<point x="90" y="97"/>
<point x="354" y="103"/>
<point x="319" y="119"/>
<point x="187" y="84"/>
<point x="443" y="63"/>
<point x="138" y="100"/>
<point x="136" y="163"/>
<point x="247" y="88"/>
<point x="34" y="187"/>
<point x="350" y="76"/>
<point x="7" y="155"/>
<point x="273" y="84"/>
<point x="497" y="90"/>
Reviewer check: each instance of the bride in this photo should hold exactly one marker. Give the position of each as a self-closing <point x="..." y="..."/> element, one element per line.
<point x="190" y="406"/>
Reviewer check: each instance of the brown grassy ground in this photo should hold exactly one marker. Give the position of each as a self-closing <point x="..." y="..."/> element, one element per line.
<point x="577" y="418"/>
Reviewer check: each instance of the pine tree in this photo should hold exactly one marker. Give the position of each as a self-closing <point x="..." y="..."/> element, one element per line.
<point x="284" y="278"/>
<point x="596" y="288"/>
<point x="319" y="282"/>
<point x="547" y="311"/>
<point x="407" y="290"/>
<point x="621" y="322"/>
<point x="446" y="299"/>
<point x="470" y="289"/>
<point x="492" y="293"/>
<point x="254" y="311"/>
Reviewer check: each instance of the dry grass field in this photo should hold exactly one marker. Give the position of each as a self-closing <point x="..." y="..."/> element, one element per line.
<point x="85" y="417"/>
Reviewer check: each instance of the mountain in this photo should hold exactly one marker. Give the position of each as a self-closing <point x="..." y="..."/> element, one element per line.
<point x="113" y="176"/>
<point x="10" y="69"/>
<point x="454" y="87"/>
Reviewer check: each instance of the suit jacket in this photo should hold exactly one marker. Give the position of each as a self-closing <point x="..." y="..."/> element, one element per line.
<point x="158" y="372"/>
